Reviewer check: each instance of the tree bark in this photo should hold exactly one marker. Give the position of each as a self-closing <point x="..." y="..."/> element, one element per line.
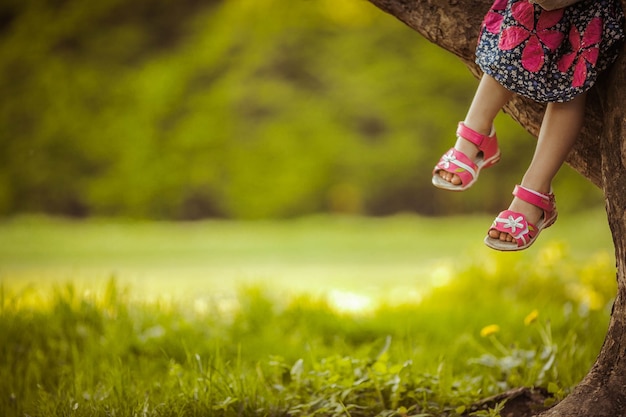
<point x="599" y="155"/>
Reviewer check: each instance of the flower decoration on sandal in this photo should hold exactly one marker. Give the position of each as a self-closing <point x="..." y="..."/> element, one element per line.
<point x="517" y="226"/>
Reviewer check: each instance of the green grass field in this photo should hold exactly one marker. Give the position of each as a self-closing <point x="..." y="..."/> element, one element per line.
<point x="313" y="255"/>
<point x="317" y="316"/>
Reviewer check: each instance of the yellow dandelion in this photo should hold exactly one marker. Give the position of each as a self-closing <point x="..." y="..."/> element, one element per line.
<point x="595" y="300"/>
<point x="489" y="330"/>
<point x="531" y="317"/>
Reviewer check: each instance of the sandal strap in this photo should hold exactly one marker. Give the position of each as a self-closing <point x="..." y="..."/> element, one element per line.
<point x="456" y="162"/>
<point x="516" y="225"/>
<point x="473" y="136"/>
<point x="543" y="201"/>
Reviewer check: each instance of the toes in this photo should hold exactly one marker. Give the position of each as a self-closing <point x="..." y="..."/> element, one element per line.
<point x="450" y="177"/>
<point x="503" y="237"/>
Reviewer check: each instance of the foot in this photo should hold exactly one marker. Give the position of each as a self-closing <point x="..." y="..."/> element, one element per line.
<point x="469" y="149"/>
<point x="458" y="169"/>
<point x="532" y="213"/>
<point x="518" y="228"/>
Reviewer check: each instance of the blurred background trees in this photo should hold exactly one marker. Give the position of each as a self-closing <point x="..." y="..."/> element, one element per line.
<point x="239" y="109"/>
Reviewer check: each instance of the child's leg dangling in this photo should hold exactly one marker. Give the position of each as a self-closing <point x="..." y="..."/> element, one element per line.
<point x="559" y="130"/>
<point x="489" y="99"/>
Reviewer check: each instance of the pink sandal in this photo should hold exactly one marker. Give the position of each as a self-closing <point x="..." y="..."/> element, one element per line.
<point x="458" y="163"/>
<point x="516" y="225"/>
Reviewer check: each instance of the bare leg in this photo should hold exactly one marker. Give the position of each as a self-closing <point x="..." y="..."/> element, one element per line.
<point x="489" y="99"/>
<point x="559" y="130"/>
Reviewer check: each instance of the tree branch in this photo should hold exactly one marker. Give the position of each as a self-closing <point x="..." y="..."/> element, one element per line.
<point x="454" y="26"/>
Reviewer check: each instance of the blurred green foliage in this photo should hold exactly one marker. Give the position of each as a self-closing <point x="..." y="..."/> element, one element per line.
<point x="238" y="109"/>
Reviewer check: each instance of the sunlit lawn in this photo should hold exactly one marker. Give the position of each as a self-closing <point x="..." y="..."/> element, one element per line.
<point x="383" y="257"/>
<point x="325" y="316"/>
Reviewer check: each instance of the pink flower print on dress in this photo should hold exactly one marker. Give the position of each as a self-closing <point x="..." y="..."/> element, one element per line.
<point x="493" y="20"/>
<point x="536" y="36"/>
<point x="585" y="49"/>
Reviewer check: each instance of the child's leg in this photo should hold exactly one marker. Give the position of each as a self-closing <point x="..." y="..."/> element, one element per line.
<point x="559" y="130"/>
<point x="489" y="99"/>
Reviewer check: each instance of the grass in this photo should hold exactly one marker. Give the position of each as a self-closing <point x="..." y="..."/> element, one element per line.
<point x="370" y="257"/>
<point x="93" y="345"/>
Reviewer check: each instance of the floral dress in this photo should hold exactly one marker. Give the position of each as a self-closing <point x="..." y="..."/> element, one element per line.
<point x="549" y="56"/>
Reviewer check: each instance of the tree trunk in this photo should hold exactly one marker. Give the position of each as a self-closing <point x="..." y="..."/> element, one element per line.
<point x="599" y="155"/>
